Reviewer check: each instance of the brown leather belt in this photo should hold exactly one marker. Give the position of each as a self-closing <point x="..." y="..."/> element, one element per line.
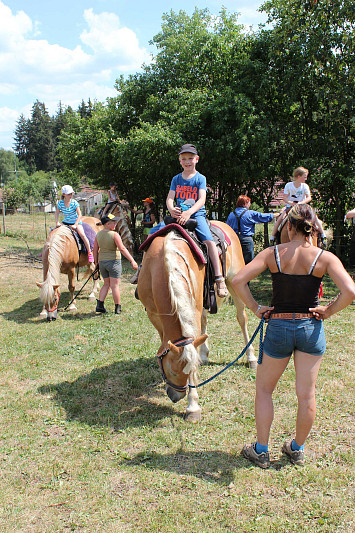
<point x="290" y="316"/>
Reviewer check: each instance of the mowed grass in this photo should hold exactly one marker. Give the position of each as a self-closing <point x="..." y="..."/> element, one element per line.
<point x="91" y="443"/>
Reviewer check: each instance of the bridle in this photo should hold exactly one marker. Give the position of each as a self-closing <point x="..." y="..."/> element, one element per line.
<point x="56" y="301"/>
<point x="183" y="341"/>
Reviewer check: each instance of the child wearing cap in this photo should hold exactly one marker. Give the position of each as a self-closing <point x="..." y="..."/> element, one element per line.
<point x="189" y="187"/>
<point x="108" y="247"/>
<point x="72" y="216"/>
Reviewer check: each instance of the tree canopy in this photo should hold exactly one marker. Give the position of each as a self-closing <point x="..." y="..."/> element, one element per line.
<point x="256" y="104"/>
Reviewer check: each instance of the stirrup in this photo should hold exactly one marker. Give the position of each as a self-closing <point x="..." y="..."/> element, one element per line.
<point x="222" y="291"/>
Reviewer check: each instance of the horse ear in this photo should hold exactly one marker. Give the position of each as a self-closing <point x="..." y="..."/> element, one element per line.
<point x="176" y="350"/>
<point x="200" y="340"/>
<point x="39" y="284"/>
<point x="55" y="287"/>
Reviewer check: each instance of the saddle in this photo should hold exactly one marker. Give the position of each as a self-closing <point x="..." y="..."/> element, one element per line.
<point x="199" y="249"/>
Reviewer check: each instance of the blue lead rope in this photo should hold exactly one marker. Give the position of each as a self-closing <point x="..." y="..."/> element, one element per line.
<point x="259" y="328"/>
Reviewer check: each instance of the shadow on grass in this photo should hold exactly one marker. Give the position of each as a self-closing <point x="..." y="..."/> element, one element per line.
<point x="30" y="310"/>
<point x="27" y="312"/>
<point x="124" y="394"/>
<point x="209" y="465"/>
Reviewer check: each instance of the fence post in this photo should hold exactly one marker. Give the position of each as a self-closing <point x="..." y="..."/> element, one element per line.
<point x="3" y="217"/>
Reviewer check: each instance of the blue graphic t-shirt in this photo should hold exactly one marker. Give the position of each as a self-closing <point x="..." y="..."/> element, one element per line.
<point x="188" y="189"/>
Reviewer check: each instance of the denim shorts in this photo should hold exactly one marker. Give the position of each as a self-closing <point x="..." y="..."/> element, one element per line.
<point x="202" y="230"/>
<point x="283" y="336"/>
<point x="111" y="268"/>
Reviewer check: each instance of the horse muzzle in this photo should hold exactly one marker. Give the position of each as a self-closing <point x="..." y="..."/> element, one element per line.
<point x="174" y="395"/>
<point x="51" y="315"/>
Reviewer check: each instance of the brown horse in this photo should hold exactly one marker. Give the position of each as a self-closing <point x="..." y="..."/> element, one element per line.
<point x="118" y="209"/>
<point x="170" y="286"/>
<point x="61" y="255"/>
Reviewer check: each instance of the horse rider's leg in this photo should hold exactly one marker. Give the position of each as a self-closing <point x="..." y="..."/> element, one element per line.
<point x="71" y="287"/>
<point x="277" y="223"/>
<point x="81" y="232"/>
<point x="204" y="349"/>
<point x="243" y="322"/>
<point x="193" y="410"/>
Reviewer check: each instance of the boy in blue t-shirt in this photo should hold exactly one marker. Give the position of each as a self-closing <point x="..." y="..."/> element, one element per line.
<point x="189" y="190"/>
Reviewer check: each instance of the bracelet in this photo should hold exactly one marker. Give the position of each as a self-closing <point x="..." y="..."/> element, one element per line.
<point x="258" y="309"/>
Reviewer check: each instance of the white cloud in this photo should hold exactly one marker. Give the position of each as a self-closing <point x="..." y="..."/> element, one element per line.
<point x="8" y="120"/>
<point x="32" y="68"/>
<point x="112" y="43"/>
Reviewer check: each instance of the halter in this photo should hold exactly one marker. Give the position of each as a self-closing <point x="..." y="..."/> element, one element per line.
<point x="56" y="301"/>
<point x="183" y="341"/>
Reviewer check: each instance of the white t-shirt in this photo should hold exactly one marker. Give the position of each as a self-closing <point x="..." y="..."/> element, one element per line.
<point x="296" y="194"/>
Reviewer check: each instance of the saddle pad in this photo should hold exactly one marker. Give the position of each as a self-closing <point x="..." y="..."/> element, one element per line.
<point x="216" y="230"/>
<point x="170" y="227"/>
<point x="90" y="233"/>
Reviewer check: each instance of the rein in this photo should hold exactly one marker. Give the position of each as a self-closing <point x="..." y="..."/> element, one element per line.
<point x="259" y="328"/>
<point x="96" y="271"/>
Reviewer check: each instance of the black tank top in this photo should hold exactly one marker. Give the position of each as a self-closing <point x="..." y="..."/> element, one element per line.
<point x="294" y="293"/>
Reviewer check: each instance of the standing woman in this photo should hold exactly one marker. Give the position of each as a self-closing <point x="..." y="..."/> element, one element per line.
<point x="108" y="247"/>
<point x="295" y="326"/>
<point x="72" y="216"/>
<point x="148" y="216"/>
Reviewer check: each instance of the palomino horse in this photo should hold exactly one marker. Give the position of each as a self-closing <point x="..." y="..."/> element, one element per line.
<point x="170" y="286"/>
<point x="122" y="227"/>
<point x="61" y="255"/>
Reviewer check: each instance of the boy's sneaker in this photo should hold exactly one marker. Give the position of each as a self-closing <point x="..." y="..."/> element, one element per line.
<point x="259" y="459"/>
<point x="296" y="456"/>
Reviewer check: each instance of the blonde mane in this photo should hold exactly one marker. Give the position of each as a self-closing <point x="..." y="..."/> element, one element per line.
<point x="55" y="247"/>
<point x="182" y="288"/>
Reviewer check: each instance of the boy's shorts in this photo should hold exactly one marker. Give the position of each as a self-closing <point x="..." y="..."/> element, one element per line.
<point x="202" y="230"/>
<point x="283" y="336"/>
<point x="111" y="268"/>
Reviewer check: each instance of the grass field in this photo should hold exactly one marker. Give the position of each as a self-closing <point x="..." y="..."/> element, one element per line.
<point x="91" y="443"/>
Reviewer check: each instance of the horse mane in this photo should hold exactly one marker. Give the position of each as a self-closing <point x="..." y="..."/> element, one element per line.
<point x="54" y="249"/>
<point x="182" y="288"/>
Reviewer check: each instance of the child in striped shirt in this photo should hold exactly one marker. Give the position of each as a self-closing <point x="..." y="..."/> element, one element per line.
<point x="72" y="216"/>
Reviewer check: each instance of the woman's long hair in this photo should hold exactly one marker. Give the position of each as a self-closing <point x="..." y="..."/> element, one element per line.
<point x="302" y="218"/>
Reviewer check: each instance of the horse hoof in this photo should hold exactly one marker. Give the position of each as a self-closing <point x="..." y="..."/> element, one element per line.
<point x="193" y="417"/>
<point x="252" y="364"/>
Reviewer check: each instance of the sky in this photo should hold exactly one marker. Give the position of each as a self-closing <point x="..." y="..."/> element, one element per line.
<point x="73" y="50"/>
